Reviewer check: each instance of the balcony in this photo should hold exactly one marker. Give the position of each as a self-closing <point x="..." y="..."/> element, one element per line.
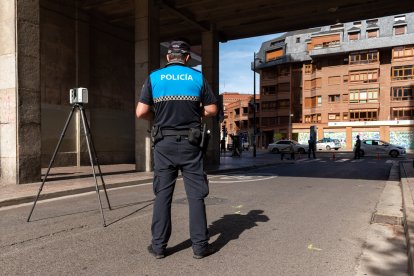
<point x="283" y="96"/>
<point x="277" y="61"/>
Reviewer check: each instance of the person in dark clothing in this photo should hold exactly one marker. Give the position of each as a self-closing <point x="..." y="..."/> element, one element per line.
<point x="357" y="148"/>
<point x="176" y="97"/>
<point x="312" y="146"/>
<point x="223" y="146"/>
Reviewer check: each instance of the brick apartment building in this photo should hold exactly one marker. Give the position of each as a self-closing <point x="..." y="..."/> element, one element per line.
<point x="238" y="115"/>
<point x="348" y="79"/>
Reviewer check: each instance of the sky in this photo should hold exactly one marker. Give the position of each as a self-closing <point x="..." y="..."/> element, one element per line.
<point x="236" y="57"/>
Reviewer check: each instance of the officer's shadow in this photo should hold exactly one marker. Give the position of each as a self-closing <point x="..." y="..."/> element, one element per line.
<point x="229" y="228"/>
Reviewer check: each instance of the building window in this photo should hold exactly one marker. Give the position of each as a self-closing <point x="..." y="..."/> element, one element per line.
<point x="402" y="72"/>
<point x="269" y="74"/>
<point x="399" y="18"/>
<point x="363" y="57"/>
<point x="357" y="24"/>
<point x="268" y="105"/>
<point x="269" y="121"/>
<point x="345" y="79"/>
<point x="309" y="68"/>
<point x="298" y="40"/>
<point x="313" y="118"/>
<point x="372" y="33"/>
<point x="334" y="80"/>
<point x="282" y="103"/>
<point x="364" y="76"/>
<point x="334" y="116"/>
<point x="345" y="98"/>
<point x="363" y="115"/>
<point x="269" y="90"/>
<point x="402" y="93"/>
<point x="403" y="52"/>
<point x="334" y="98"/>
<point x="312" y="102"/>
<point x="399" y="30"/>
<point x="369" y="95"/>
<point x="312" y="84"/>
<point x="345" y="116"/>
<point x="372" y="21"/>
<point x="318" y="42"/>
<point x="274" y="54"/>
<point x="403" y="113"/>
<point x="353" y="36"/>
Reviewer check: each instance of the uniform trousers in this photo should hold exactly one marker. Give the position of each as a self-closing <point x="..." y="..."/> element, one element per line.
<point x="171" y="154"/>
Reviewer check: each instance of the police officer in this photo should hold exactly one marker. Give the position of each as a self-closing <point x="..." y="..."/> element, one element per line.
<point x="176" y="97"/>
<point x="357" y="148"/>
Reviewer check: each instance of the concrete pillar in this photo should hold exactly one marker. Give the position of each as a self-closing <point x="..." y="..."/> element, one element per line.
<point x="349" y="138"/>
<point x="147" y="58"/>
<point x="385" y="133"/>
<point x="20" y="138"/>
<point x="210" y="67"/>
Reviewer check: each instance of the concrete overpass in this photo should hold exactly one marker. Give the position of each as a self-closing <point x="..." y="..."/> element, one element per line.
<point x="110" y="46"/>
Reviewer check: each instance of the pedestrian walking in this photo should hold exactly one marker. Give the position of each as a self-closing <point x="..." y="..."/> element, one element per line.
<point x="357" y="148"/>
<point x="292" y="151"/>
<point x="176" y="97"/>
<point x="223" y="146"/>
<point x="312" y="147"/>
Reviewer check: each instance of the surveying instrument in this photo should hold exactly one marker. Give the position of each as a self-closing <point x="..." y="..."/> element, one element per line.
<point x="78" y="97"/>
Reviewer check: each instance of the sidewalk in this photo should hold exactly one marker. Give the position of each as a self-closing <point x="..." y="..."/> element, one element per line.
<point x="407" y="185"/>
<point x="64" y="181"/>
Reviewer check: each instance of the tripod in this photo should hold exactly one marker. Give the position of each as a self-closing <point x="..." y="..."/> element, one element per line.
<point x="92" y="156"/>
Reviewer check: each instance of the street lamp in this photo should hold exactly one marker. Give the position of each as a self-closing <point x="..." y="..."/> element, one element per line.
<point x="290" y="126"/>
<point x="254" y="104"/>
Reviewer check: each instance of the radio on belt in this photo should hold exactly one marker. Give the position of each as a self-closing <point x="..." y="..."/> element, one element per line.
<point x="78" y="95"/>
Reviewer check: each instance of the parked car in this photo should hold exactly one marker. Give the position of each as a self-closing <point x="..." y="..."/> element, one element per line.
<point x="283" y="145"/>
<point x="328" y="144"/>
<point x="380" y="147"/>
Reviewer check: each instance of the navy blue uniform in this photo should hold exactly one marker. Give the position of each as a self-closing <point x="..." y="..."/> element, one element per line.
<point x="178" y="94"/>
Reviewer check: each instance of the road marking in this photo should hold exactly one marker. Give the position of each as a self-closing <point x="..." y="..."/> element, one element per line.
<point x="342" y="160"/>
<point x="357" y="160"/>
<point x="309" y="160"/>
<point x="241" y="178"/>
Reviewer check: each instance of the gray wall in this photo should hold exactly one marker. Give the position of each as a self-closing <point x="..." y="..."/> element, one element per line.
<point x="90" y="54"/>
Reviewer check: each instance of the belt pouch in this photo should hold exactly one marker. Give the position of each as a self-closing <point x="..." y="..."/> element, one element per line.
<point x="194" y="136"/>
<point x="156" y="134"/>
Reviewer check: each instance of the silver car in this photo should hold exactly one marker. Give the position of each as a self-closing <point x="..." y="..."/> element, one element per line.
<point x="328" y="144"/>
<point x="375" y="147"/>
<point x="283" y="145"/>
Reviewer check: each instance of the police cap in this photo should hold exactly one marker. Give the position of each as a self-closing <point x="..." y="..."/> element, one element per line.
<point x="179" y="47"/>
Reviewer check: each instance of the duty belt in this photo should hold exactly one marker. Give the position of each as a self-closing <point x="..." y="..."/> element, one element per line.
<point x="174" y="132"/>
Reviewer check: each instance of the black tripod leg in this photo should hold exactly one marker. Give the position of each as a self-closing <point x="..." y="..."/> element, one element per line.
<point x="51" y="161"/>
<point x="92" y="164"/>
<point x="97" y="163"/>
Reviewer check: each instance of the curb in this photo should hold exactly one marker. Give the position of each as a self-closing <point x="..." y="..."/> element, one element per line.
<point x="249" y="167"/>
<point x="408" y="208"/>
<point x="29" y="199"/>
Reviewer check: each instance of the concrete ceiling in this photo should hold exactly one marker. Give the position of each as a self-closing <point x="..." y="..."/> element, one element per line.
<point x="235" y="19"/>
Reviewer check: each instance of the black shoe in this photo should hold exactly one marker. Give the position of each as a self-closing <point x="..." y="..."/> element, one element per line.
<point x="156" y="255"/>
<point x="206" y="252"/>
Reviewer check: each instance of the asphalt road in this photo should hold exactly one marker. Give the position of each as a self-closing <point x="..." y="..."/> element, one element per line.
<point x="307" y="218"/>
